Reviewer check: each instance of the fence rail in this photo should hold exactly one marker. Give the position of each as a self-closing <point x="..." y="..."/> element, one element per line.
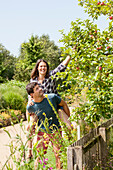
<point x="90" y="149"/>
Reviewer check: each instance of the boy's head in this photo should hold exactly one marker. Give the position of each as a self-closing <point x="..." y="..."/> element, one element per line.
<point x="34" y="90"/>
<point x="30" y="87"/>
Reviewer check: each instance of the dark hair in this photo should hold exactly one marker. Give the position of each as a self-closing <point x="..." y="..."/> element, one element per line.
<point x="35" y="72"/>
<point x="30" y="87"/>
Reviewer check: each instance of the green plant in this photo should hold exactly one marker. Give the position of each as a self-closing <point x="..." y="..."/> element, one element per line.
<point x="13" y="96"/>
<point x="95" y="62"/>
<point x="14" y="101"/>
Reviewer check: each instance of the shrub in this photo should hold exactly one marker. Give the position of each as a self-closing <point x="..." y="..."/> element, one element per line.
<point x="14" y="101"/>
<point x="2" y="102"/>
<point x="13" y="96"/>
<point x="15" y="86"/>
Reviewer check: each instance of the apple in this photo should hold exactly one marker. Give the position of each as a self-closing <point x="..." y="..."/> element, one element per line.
<point x="111" y="17"/>
<point x="100" y="68"/>
<point x="100" y="47"/>
<point x="107" y="39"/>
<point x="77" y="68"/>
<point x="99" y="3"/>
<point x="102" y="3"/>
<point x="108" y="47"/>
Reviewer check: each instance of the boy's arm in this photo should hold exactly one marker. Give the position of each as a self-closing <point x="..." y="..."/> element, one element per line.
<point x="32" y="118"/>
<point x="65" y="107"/>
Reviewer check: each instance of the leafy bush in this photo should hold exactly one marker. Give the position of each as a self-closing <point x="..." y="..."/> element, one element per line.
<point x="13" y="96"/>
<point x="17" y="83"/>
<point x="2" y="102"/>
<point x="14" y="101"/>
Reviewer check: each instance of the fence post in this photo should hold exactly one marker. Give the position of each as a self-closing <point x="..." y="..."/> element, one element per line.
<point x="78" y="132"/>
<point x="78" y="157"/>
<point x="103" y="146"/>
<point x="70" y="163"/>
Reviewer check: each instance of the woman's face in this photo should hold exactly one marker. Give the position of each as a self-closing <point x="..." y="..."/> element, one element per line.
<point x="42" y="68"/>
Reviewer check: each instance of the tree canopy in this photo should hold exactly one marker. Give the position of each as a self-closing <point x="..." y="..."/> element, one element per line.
<point x="91" y="65"/>
<point x="7" y="64"/>
<point x="36" y="48"/>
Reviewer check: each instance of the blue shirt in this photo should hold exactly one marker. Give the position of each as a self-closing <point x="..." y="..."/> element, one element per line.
<point x="44" y="110"/>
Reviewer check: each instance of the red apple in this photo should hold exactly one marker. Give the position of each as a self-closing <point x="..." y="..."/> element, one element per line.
<point x="77" y="68"/>
<point x="102" y="3"/>
<point x="108" y="47"/>
<point x="100" y="47"/>
<point x="107" y="39"/>
<point x="111" y="17"/>
<point x="100" y="68"/>
<point x="99" y="3"/>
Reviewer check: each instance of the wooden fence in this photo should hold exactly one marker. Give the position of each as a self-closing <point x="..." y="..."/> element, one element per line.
<point x="91" y="149"/>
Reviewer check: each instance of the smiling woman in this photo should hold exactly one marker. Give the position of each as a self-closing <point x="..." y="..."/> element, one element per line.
<point x="41" y="74"/>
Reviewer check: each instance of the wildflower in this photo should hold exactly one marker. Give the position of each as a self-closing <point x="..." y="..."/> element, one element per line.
<point x="45" y="135"/>
<point x="46" y="159"/>
<point x="46" y="145"/>
<point x="44" y="114"/>
<point x="40" y="161"/>
<point x="44" y="166"/>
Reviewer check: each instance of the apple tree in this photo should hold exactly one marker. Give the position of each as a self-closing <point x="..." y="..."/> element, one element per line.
<point x="91" y="67"/>
<point x="95" y="8"/>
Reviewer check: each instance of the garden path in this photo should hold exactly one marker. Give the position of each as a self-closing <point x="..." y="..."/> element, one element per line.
<point x="5" y="140"/>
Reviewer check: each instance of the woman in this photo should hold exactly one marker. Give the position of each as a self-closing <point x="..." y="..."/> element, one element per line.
<point x="41" y="74"/>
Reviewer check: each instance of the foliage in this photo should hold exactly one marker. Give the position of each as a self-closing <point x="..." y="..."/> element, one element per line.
<point x="7" y="64"/>
<point x="95" y="8"/>
<point x="20" y="84"/>
<point x="14" y="100"/>
<point x="13" y="96"/>
<point x="91" y="66"/>
<point x="31" y="51"/>
<point x="9" y="116"/>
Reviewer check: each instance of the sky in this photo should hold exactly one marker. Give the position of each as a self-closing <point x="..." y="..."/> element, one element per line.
<point x="23" y="18"/>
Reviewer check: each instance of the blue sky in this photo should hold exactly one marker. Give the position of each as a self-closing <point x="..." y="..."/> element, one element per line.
<point x="20" y="19"/>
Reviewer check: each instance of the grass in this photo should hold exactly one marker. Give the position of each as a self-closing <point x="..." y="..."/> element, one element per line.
<point x="51" y="157"/>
